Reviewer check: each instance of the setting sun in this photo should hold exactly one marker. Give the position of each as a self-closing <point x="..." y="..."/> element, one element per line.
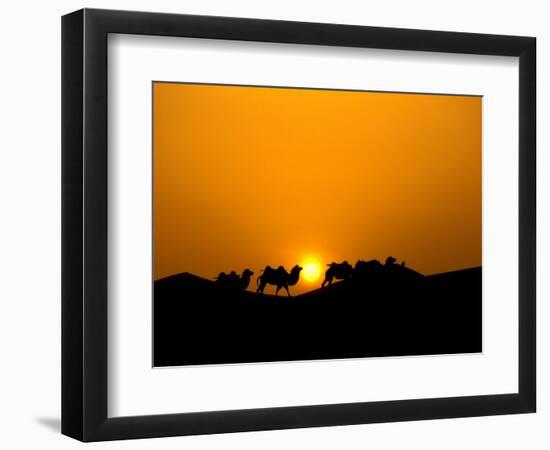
<point x="312" y="271"/>
<point x="245" y="177"/>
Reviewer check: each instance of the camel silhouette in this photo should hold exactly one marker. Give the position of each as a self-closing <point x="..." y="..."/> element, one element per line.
<point x="278" y="277"/>
<point x="362" y="266"/>
<point x="337" y="271"/>
<point x="390" y="261"/>
<point x="233" y="281"/>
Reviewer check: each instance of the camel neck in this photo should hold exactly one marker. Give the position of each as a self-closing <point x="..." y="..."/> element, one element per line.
<point x="293" y="278"/>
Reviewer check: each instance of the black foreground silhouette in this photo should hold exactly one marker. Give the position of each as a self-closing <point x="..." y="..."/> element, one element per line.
<point x="377" y="310"/>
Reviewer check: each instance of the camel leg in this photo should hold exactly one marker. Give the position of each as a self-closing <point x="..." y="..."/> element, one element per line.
<point x="277" y="291"/>
<point x="287" y="291"/>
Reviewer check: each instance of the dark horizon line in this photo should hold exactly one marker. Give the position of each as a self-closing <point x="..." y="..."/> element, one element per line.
<point x="424" y="275"/>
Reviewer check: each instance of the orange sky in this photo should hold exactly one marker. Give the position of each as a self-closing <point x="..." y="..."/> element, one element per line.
<point x="249" y="176"/>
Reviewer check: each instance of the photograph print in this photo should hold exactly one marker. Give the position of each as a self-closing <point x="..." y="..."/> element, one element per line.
<point x="294" y="224"/>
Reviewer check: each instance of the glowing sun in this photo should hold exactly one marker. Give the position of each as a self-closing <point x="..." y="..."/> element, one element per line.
<point x="312" y="270"/>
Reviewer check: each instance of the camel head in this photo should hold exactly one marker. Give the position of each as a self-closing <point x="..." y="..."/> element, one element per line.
<point x="294" y="275"/>
<point x="245" y="278"/>
<point x="247" y="273"/>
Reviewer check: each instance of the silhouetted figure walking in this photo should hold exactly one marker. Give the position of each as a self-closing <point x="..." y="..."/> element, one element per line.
<point x="341" y="271"/>
<point x="278" y="277"/>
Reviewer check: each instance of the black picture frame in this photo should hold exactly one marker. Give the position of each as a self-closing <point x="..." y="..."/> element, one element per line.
<point x="84" y="224"/>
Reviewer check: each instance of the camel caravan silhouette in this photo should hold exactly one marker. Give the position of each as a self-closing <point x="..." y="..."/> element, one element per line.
<point x="233" y="281"/>
<point x="280" y="278"/>
<point x="364" y="270"/>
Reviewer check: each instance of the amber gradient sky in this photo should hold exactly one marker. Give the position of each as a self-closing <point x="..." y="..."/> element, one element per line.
<point x="249" y="176"/>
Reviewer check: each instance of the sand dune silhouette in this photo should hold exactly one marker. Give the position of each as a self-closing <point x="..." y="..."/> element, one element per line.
<point x="391" y="313"/>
